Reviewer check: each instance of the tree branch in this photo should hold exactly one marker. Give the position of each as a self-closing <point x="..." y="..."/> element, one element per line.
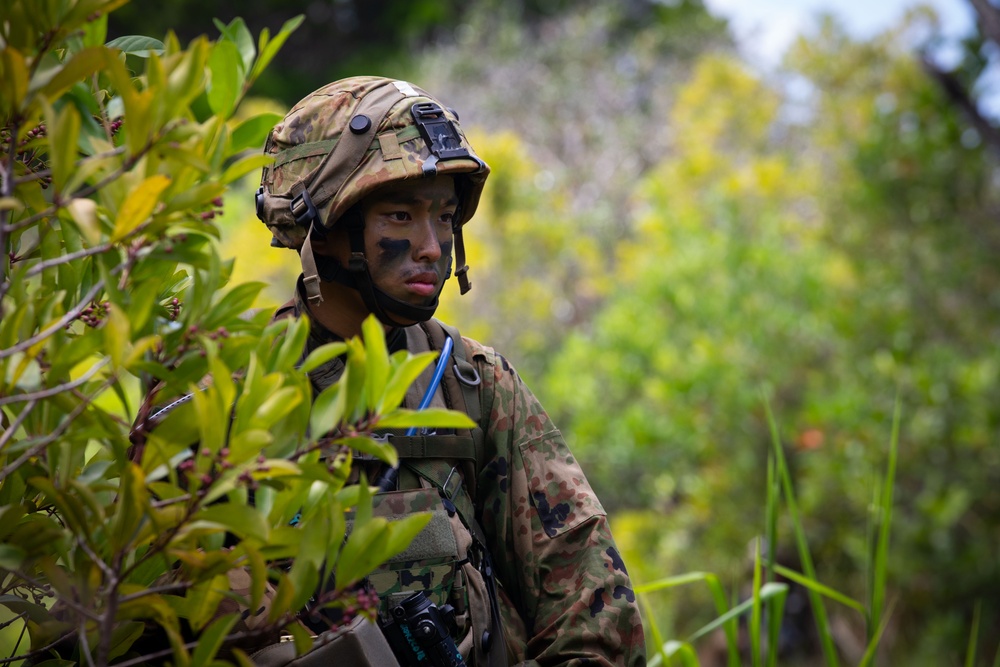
<point x="957" y="93"/>
<point x="9" y="433"/>
<point x="989" y="19"/>
<point x="37" y="448"/>
<point x="65" y="259"/>
<point x="70" y="315"/>
<point x="58" y="389"/>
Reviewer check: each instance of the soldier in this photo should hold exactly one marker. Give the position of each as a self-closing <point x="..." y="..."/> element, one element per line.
<point x="372" y="183"/>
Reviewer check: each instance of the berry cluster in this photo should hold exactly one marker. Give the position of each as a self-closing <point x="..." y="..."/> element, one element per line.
<point x="218" y="463"/>
<point x="174" y="309"/>
<point x="216" y="211"/>
<point x="365" y="602"/>
<point x="95" y="313"/>
<point x="26" y="155"/>
<point x="189" y="341"/>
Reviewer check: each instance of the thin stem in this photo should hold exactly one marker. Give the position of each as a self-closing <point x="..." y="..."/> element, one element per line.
<point x="39" y="446"/>
<point x="65" y="259"/>
<point x="70" y="315"/>
<point x="173" y="588"/>
<point x="58" y="389"/>
<point x="110" y="611"/>
<point x="84" y="644"/>
<point x="19" y="617"/>
<point x="35" y="175"/>
<point x="41" y="651"/>
<point x="9" y="433"/>
<point x="72" y="604"/>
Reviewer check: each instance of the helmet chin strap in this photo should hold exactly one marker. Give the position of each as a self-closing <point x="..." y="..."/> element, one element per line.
<point x="357" y="276"/>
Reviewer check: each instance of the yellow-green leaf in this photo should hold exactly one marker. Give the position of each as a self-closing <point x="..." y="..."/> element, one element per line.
<point x="429" y="418"/>
<point x="139" y="205"/>
<point x="64" y="131"/>
<point x="117" y="334"/>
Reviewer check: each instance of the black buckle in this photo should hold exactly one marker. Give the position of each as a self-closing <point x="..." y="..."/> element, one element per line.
<point x="309" y="215"/>
<point x="438" y="131"/>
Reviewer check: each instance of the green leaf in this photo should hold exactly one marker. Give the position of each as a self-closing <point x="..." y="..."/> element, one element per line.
<point x="252" y="133"/>
<point x="376" y="359"/>
<point x="11" y="557"/>
<point x="130" y="508"/>
<point x="302" y="637"/>
<point x="117" y="335"/>
<point x="244" y="166"/>
<point x="403" y="376"/>
<point x="204" y="599"/>
<point x="269" y="48"/>
<point x="211" y="639"/>
<point x="277" y="406"/>
<point x="232" y="304"/>
<point x="382" y="449"/>
<point x="429" y="418"/>
<point x="64" y="132"/>
<point x="321" y="355"/>
<point x="14" y="80"/>
<point x="363" y="552"/>
<point x="238" y="33"/>
<point x="78" y="68"/>
<point x="227" y="81"/>
<point x="327" y="410"/>
<point x="123" y="637"/>
<point x="137" y="45"/>
<point x="139" y="205"/>
<point x="243" y="521"/>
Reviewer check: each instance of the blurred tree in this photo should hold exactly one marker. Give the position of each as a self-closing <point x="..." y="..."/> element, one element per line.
<point x="832" y="239"/>
<point x="383" y="37"/>
<point x="572" y="113"/>
<point x="963" y="83"/>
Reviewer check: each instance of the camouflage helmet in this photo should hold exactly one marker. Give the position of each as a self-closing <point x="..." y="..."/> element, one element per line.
<point x="346" y="140"/>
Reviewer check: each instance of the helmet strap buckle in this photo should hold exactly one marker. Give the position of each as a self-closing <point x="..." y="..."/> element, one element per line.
<point x="303" y="210"/>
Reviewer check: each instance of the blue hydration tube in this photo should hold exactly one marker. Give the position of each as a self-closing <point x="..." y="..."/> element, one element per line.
<point x="388" y="479"/>
<point x="442" y="364"/>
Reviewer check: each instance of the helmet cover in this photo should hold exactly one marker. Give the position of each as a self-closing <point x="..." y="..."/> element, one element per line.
<point x="351" y="137"/>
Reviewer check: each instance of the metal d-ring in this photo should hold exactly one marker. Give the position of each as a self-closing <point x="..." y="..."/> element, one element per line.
<point x="474" y="381"/>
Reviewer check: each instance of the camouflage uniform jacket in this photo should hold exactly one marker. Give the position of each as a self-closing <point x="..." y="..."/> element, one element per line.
<point x="565" y="595"/>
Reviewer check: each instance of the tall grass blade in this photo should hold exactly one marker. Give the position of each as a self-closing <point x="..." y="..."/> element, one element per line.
<point x="688" y="657"/>
<point x="718" y="596"/>
<point x="819" y="611"/>
<point x="771" y="516"/>
<point x="755" y="611"/>
<point x="775" y="610"/>
<point x="970" y="652"/>
<point x="869" y="655"/>
<point x="825" y="591"/>
<point x="766" y="591"/>
<point x="881" y="565"/>
<point x="654" y="630"/>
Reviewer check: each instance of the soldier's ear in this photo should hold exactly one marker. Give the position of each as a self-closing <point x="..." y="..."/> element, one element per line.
<point x="333" y="244"/>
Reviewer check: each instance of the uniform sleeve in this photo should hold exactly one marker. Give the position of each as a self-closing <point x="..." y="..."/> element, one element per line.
<point x="557" y="563"/>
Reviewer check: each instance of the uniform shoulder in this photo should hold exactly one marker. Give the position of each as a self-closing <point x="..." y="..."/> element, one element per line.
<point x="474" y="349"/>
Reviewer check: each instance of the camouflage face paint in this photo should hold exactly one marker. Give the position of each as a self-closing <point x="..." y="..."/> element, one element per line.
<point x="393" y="249"/>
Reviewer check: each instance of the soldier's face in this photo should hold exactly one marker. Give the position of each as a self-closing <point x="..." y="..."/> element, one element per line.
<point x="408" y="237"/>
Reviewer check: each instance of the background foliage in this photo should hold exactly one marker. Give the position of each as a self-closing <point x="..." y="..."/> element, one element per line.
<point x="667" y="232"/>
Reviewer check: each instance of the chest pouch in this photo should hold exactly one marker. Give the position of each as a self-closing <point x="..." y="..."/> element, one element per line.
<point x="443" y="562"/>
